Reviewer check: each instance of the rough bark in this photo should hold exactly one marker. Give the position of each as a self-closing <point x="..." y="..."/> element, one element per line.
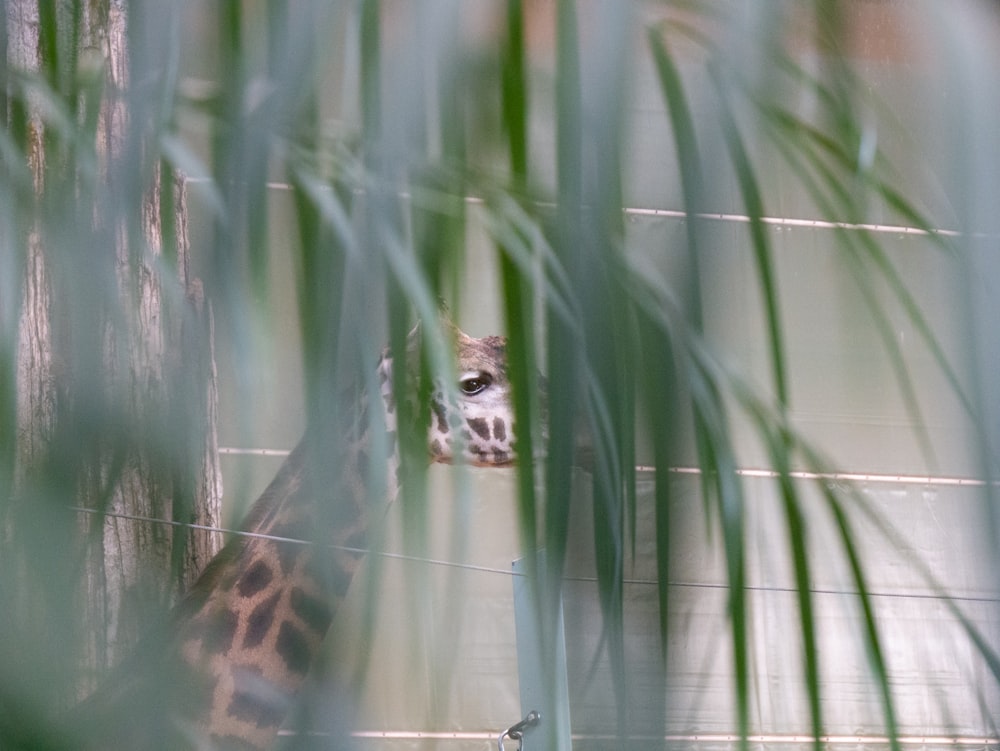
<point x="115" y="379"/>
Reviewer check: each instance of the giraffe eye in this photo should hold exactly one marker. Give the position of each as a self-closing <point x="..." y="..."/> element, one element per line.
<point x="474" y="383"/>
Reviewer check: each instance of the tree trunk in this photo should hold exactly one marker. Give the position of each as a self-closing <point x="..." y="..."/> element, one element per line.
<point x="114" y="378"/>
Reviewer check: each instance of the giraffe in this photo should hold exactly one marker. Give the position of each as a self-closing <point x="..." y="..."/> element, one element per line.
<point x="245" y="635"/>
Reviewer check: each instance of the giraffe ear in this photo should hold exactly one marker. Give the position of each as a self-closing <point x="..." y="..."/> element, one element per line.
<point x="452" y="331"/>
<point x="448" y="326"/>
<point x="413" y="343"/>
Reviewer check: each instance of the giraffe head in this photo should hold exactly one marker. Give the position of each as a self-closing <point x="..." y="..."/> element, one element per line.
<point x="471" y="421"/>
<point x="476" y="426"/>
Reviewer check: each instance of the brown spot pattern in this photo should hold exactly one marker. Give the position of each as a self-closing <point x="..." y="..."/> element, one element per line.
<point x="442" y="416"/>
<point x="313" y="611"/>
<point x="260" y="620"/>
<point x="217" y="635"/>
<point x="255" y="578"/>
<point x="479" y="426"/>
<point x="499" y="429"/>
<point x="293" y="648"/>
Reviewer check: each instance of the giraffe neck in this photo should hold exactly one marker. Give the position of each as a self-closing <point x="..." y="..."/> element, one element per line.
<point x="257" y="617"/>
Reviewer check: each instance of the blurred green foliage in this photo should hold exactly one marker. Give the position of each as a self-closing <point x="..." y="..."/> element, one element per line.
<point x="385" y="120"/>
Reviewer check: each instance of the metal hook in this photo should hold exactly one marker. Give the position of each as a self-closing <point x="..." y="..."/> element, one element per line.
<point x="516" y="731"/>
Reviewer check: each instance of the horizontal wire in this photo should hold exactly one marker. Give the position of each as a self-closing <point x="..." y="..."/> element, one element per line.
<point x="296" y="541"/>
<point x="837" y="476"/>
<point x="744" y="472"/>
<point x="478" y="568"/>
<point x="895" y="229"/>
<point x="230" y="451"/>
<point x="863" y="477"/>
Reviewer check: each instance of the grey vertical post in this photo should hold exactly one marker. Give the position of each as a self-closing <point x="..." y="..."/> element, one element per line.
<point x="548" y="694"/>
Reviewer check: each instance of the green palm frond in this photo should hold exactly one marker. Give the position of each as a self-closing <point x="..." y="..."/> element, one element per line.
<point x="638" y="194"/>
